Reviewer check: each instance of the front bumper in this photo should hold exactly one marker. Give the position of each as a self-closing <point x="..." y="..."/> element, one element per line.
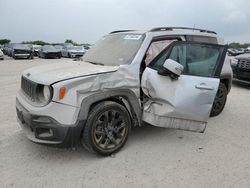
<point x="52" y="54"/>
<point x="241" y="75"/>
<point x="46" y="130"/>
<point x="26" y="55"/>
<point x="75" y="55"/>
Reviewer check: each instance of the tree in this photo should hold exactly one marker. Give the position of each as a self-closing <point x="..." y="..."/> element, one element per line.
<point x="4" y="41"/>
<point x="70" y="41"/>
<point x="238" y="45"/>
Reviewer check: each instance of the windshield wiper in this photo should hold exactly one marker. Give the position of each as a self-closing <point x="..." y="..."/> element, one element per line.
<point x="95" y="63"/>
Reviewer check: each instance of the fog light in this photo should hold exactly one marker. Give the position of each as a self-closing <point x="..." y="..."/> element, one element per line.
<point x="44" y="132"/>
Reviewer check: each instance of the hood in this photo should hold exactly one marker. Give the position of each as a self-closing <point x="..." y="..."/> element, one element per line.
<point x="75" y="51"/>
<point x="243" y="56"/>
<point x="51" y="51"/>
<point x="49" y="74"/>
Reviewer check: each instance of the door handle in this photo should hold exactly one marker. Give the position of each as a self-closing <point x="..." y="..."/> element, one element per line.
<point x="203" y="86"/>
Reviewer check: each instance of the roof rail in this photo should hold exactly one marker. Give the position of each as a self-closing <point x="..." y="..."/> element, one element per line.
<point x="120" y="31"/>
<point x="181" y="28"/>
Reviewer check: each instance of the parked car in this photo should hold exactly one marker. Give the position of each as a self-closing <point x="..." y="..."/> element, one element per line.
<point x="241" y="68"/>
<point x="1" y="55"/>
<point x="168" y="77"/>
<point x="235" y="52"/>
<point x="72" y="51"/>
<point x="8" y="49"/>
<point x="59" y="47"/>
<point x="36" y="49"/>
<point x="49" y="51"/>
<point x="21" y="51"/>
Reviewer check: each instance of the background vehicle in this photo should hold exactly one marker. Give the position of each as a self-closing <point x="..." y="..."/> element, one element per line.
<point x="59" y="47"/>
<point x="1" y="55"/>
<point x="169" y="77"/>
<point x="241" y="68"/>
<point x="21" y="51"/>
<point x="49" y="51"/>
<point x="72" y="51"/>
<point x="36" y="49"/>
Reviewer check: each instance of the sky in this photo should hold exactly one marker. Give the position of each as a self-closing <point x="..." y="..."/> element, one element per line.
<point x="85" y="21"/>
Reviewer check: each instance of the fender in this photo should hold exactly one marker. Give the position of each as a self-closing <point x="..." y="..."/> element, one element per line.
<point x="133" y="104"/>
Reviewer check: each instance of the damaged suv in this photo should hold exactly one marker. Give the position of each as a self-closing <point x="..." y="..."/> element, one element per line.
<point x="168" y="77"/>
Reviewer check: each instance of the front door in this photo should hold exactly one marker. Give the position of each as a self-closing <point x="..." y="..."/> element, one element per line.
<point x="184" y="103"/>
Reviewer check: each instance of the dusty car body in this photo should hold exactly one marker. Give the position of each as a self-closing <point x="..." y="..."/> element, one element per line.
<point x="1" y="55"/>
<point x="96" y="101"/>
<point x="49" y="51"/>
<point x="21" y="51"/>
<point x="241" y="68"/>
<point x="72" y="51"/>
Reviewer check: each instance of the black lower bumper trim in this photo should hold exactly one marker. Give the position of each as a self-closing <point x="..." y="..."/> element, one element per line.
<point x="46" y="130"/>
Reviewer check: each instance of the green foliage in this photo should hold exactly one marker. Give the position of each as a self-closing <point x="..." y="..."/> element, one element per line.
<point x="70" y="41"/>
<point x="36" y="42"/>
<point x="4" y="41"/>
<point x="238" y="45"/>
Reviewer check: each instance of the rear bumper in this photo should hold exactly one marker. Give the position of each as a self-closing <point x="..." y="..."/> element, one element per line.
<point x="46" y="130"/>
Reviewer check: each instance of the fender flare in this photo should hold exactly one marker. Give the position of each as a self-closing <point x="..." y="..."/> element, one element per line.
<point x="133" y="104"/>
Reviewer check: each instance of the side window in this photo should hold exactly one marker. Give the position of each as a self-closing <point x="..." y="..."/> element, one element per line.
<point x="155" y="48"/>
<point x="197" y="59"/>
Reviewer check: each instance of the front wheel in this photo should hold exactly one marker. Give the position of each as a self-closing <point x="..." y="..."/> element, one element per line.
<point x="220" y="100"/>
<point x="107" y="128"/>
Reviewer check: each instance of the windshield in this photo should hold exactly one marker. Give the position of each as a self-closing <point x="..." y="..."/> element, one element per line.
<point x="115" y="49"/>
<point x="21" y="46"/>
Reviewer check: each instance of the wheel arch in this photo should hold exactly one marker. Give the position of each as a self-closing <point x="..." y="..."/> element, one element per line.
<point x="125" y="97"/>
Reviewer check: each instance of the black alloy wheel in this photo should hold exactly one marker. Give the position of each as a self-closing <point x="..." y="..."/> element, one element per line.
<point x="107" y="128"/>
<point x="220" y="100"/>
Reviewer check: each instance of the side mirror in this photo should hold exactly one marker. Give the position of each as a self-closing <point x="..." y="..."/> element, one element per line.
<point x="171" y="68"/>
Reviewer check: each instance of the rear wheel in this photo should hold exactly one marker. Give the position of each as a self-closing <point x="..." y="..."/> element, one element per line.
<point x="107" y="128"/>
<point x="220" y="100"/>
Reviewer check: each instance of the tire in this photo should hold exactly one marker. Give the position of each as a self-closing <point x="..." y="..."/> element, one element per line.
<point x="69" y="56"/>
<point x="219" y="101"/>
<point x="107" y="128"/>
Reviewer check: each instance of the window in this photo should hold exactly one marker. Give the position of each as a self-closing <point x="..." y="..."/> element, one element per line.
<point x="204" y="39"/>
<point x="197" y="59"/>
<point x="115" y="49"/>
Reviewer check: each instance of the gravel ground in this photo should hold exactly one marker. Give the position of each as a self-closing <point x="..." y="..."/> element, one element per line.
<point x="152" y="157"/>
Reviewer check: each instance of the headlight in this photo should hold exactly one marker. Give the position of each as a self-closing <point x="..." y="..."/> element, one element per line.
<point x="234" y="62"/>
<point x="44" y="94"/>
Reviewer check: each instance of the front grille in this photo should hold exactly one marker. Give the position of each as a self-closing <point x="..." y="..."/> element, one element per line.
<point x="29" y="88"/>
<point x="22" y="51"/>
<point x="244" y="64"/>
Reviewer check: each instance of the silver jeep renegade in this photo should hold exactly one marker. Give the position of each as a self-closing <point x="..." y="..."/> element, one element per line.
<point x="172" y="77"/>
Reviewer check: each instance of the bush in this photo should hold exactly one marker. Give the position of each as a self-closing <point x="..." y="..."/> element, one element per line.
<point x="4" y="41"/>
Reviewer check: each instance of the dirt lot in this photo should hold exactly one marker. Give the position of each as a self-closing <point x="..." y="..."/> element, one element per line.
<point x="152" y="157"/>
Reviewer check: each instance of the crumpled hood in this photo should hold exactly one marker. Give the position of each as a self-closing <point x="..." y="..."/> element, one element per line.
<point x="49" y="74"/>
